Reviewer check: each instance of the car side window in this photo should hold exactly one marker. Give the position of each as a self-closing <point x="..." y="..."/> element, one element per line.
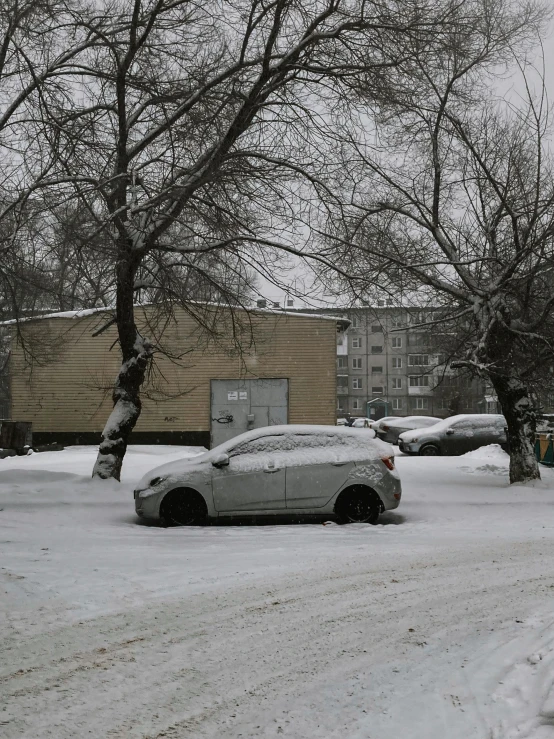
<point x="317" y="441"/>
<point x="462" y="425"/>
<point x="277" y="443"/>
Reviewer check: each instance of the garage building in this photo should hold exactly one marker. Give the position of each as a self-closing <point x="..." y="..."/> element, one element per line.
<point x="218" y="372"/>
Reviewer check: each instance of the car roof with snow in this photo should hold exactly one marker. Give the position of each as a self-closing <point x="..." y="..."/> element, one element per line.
<point x="298" y="428"/>
<point x="447" y="422"/>
<point x="401" y="421"/>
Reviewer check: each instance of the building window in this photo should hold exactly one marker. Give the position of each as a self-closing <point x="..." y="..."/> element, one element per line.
<point x="397" y="404"/>
<point x="376" y="329"/>
<point x="355" y="321"/>
<point x="377" y="370"/>
<point x="421" y="404"/>
<point x="356" y="342"/>
<point x="357" y="383"/>
<point x="342" y="380"/>
<point x="356" y="363"/>
<point x="444" y="404"/>
<point x="418" y="360"/>
<point x="397" y="362"/>
<point x="377" y="390"/>
<point x="397" y="342"/>
<point x="416" y="339"/>
<point x="380" y="303"/>
<point x="342" y="362"/>
<point x="397" y="323"/>
<point x="376" y="349"/>
<point x="356" y="404"/>
<point x="397" y="383"/>
<point x="419" y="380"/>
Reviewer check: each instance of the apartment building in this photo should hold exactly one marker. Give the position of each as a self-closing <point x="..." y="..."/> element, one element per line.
<point x="387" y="354"/>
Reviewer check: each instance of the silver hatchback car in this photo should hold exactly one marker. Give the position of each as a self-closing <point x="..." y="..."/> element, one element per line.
<point x="309" y="470"/>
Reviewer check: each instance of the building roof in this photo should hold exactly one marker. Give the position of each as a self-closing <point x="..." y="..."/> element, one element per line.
<point x="83" y="313"/>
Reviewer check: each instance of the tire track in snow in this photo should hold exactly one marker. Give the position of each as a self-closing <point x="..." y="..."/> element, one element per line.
<point x="246" y="660"/>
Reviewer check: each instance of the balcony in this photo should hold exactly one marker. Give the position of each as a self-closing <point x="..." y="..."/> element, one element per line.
<point x="342" y="391"/>
<point x="420" y="390"/>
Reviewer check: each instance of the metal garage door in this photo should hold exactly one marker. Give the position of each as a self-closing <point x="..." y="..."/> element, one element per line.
<point x="241" y="405"/>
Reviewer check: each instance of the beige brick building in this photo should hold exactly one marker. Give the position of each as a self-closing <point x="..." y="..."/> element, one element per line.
<point x="260" y="368"/>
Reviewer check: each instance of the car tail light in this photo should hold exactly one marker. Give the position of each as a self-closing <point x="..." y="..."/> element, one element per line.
<point x="389" y="462"/>
<point x="385" y="428"/>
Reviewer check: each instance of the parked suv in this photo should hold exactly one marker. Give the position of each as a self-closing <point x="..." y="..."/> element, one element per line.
<point x="455" y="435"/>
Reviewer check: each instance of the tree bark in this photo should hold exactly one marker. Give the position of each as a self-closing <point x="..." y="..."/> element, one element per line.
<point x="520" y="418"/>
<point x="136" y="354"/>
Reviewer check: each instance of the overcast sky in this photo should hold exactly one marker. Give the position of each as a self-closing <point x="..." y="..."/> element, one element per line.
<point x="510" y="87"/>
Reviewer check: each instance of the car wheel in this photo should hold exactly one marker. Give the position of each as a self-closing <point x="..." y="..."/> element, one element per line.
<point x="184" y="507"/>
<point x="358" y="505"/>
<point x="430" y="450"/>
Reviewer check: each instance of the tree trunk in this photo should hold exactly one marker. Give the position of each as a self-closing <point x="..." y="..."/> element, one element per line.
<point x="520" y="418"/>
<point x="136" y="354"/>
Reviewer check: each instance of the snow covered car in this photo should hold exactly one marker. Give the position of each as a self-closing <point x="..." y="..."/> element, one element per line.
<point x="363" y="423"/>
<point x="391" y="430"/>
<point x="377" y="424"/>
<point x="310" y="470"/>
<point x="456" y="435"/>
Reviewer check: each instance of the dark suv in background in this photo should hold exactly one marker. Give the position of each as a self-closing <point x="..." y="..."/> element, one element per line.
<point x="456" y="435"/>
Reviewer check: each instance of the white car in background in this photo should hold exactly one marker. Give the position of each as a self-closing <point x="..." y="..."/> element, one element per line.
<point x="365" y="424"/>
<point x="375" y="425"/>
<point x="391" y="430"/>
<point x="308" y="470"/>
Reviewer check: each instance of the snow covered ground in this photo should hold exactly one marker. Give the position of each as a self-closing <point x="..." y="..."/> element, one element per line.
<point x="436" y="624"/>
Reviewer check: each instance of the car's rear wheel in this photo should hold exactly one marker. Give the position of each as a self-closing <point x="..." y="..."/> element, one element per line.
<point x="358" y="504"/>
<point x="430" y="450"/>
<point x="184" y="507"/>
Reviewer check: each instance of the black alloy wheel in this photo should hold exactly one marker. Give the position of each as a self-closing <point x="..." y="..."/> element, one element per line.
<point x="184" y="508"/>
<point x="429" y="451"/>
<point x="358" y="506"/>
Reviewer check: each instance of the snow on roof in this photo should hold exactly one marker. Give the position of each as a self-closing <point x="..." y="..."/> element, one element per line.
<point x="83" y="313"/>
<point x="302" y="428"/>
<point x="446" y="422"/>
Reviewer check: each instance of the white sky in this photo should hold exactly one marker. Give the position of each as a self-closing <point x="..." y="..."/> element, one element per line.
<point x="511" y="88"/>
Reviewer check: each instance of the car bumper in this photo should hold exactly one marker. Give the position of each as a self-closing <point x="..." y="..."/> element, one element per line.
<point x="390" y="491"/>
<point x="410" y="447"/>
<point x="147" y="503"/>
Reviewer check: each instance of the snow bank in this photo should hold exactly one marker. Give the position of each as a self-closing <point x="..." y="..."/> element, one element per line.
<point x="491" y="452"/>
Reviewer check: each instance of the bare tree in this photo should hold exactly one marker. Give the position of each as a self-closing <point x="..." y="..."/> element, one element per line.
<point x="457" y="196"/>
<point x="192" y="134"/>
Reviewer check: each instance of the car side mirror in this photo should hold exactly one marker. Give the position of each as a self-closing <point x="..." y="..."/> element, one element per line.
<point x="449" y="432"/>
<point x="221" y="460"/>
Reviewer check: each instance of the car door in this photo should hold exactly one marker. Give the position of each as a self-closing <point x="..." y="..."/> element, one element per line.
<point x="459" y="438"/>
<point x="254" y="479"/>
<point x="491" y="430"/>
<point x="316" y="469"/>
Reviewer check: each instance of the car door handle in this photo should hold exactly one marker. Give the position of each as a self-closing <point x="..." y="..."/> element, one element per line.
<point x="271" y="469"/>
<point x="338" y="464"/>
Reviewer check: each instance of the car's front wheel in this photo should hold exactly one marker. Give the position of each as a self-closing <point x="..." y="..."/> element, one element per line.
<point x="358" y="504"/>
<point x="183" y="507"/>
<point x="430" y="450"/>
